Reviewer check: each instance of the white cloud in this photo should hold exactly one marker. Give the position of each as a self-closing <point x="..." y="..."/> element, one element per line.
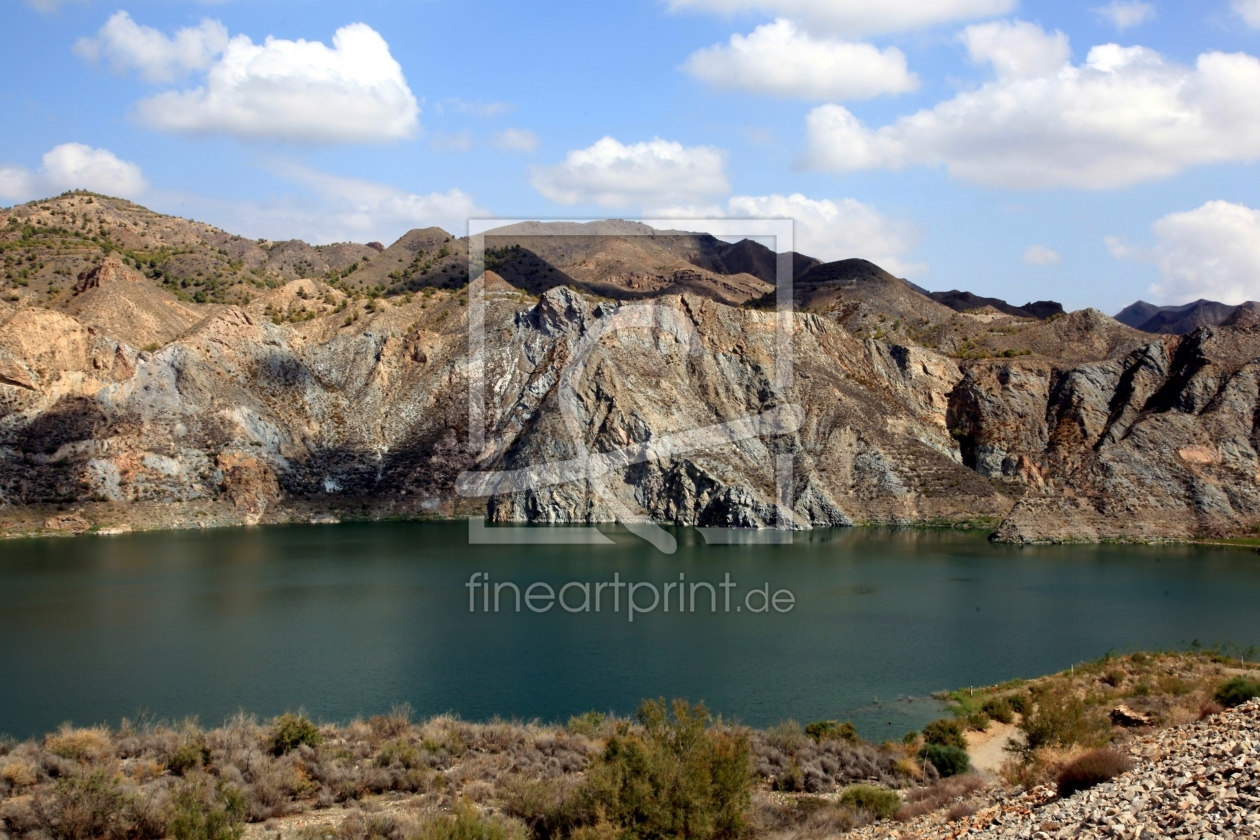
<point x="516" y="140"/>
<point x="73" y="166"/>
<point x="300" y="91"/>
<point x="1017" y="50"/>
<point x="1124" y="117"/>
<point x="836" y="230"/>
<point x="1250" y="11"/>
<point x="858" y="17"/>
<point x="1125" y="13"/>
<point x="461" y="141"/>
<point x="1041" y="255"/>
<point x="1211" y="252"/>
<point x="658" y="173"/>
<point x="779" y="59"/>
<point x="338" y="209"/>
<point x="125" y="45"/>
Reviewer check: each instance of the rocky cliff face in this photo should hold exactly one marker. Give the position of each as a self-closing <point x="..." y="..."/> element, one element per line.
<point x="241" y="419"/>
<point x="123" y="403"/>
<point x="1158" y="442"/>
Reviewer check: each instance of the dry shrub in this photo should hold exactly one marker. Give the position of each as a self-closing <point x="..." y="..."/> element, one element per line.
<point x="464" y="822"/>
<point x="94" y="807"/>
<point x="803" y="818"/>
<point x="147" y="769"/>
<point x="1210" y="709"/>
<point x="933" y="797"/>
<point x="393" y="725"/>
<point x="1037" y="767"/>
<point x="881" y="803"/>
<point x="18" y="772"/>
<point x="548" y="807"/>
<point x="87" y="745"/>
<point x="1092" y="768"/>
<point x="1060" y="718"/>
<point x="960" y="811"/>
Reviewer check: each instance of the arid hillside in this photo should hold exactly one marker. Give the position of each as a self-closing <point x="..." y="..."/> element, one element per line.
<point x="156" y="372"/>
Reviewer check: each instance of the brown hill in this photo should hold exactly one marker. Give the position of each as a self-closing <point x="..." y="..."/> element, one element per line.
<point x="119" y="302"/>
<point x="867" y="300"/>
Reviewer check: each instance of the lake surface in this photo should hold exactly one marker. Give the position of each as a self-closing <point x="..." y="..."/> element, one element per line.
<point x="349" y="620"/>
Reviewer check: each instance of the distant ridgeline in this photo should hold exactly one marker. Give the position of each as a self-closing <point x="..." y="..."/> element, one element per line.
<point x="1179" y="320"/>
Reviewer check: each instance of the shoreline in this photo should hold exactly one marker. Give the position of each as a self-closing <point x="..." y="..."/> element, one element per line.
<point x="103" y="519"/>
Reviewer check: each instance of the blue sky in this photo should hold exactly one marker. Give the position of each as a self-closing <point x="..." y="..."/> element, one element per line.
<point x="975" y="144"/>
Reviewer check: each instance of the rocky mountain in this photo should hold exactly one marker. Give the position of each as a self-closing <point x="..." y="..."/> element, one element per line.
<point x="126" y="400"/>
<point x="1178" y="320"/>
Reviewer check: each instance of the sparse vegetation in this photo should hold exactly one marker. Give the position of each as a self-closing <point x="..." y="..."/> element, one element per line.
<point x="1092" y="768"/>
<point x="1237" y="691"/>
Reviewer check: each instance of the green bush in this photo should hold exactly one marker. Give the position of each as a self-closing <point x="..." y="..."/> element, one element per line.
<point x="202" y="811"/>
<point x="1020" y="703"/>
<point x="587" y="724"/>
<point x="549" y="807"/>
<point x="192" y="756"/>
<point x="999" y="709"/>
<point x="881" y="802"/>
<point x="466" y="824"/>
<point x="1061" y="719"/>
<point x="1237" y="691"/>
<point x="1093" y="768"/>
<point x="401" y="752"/>
<point x="947" y="759"/>
<point x="830" y="730"/>
<point x="293" y="731"/>
<point x="677" y="778"/>
<point x="946" y="733"/>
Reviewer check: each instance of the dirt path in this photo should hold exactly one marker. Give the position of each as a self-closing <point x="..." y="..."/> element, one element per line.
<point x="988" y="749"/>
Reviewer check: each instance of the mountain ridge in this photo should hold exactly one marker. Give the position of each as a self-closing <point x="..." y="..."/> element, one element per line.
<point x="346" y="395"/>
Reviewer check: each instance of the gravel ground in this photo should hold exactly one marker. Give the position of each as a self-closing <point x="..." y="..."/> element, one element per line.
<point x="1197" y="781"/>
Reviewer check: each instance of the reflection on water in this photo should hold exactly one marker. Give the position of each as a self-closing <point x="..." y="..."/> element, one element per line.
<point x="348" y="620"/>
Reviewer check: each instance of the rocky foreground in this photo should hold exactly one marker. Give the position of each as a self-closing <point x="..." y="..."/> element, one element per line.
<point x="1201" y="780"/>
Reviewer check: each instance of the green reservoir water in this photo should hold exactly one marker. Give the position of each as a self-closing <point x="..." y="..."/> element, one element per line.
<point x="349" y="620"/>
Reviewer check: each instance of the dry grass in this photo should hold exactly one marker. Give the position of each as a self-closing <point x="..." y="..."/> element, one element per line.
<point x="518" y="778"/>
<point x="951" y="791"/>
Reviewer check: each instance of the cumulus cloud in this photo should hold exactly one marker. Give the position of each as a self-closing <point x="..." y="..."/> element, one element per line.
<point x="125" y="45"/>
<point x="1250" y="11"/>
<point x="516" y="140"/>
<point x="338" y="209"/>
<point x="1017" y="50"/>
<point x="857" y="17"/>
<point x="1041" y="255"/>
<point x="1210" y="252"/>
<point x="1124" y="116"/>
<point x="778" y="59"/>
<point x="73" y="166"/>
<point x="653" y="174"/>
<point x="299" y="91"/>
<point x="1125" y="13"/>
<point x="836" y="230"/>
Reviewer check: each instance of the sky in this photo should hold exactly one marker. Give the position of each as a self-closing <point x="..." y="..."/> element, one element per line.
<point x="1094" y="153"/>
